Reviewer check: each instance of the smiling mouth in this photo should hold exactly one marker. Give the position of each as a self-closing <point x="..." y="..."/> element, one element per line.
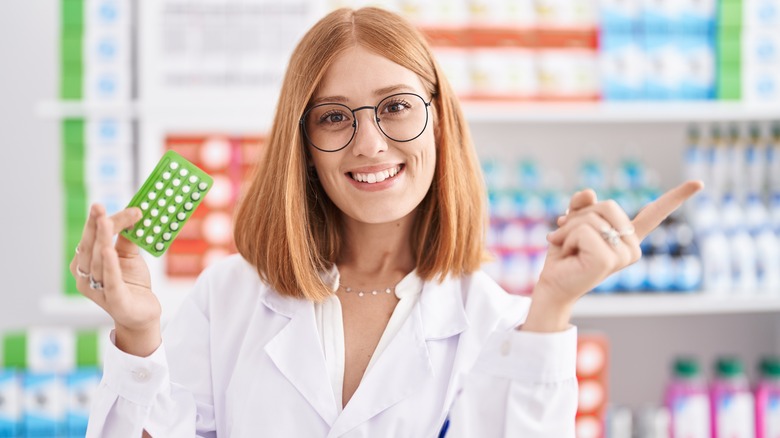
<point x="376" y="177"/>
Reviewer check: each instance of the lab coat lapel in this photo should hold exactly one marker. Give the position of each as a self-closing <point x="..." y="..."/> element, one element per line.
<point x="297" y="352"/>
<point x="398" y="372"/>
<point x="405" y="365"/>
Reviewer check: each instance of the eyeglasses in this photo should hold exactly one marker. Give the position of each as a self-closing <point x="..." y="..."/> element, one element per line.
<point x="330" y="127"/>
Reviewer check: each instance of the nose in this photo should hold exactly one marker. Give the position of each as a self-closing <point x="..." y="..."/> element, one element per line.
<point x="369" y="139"/>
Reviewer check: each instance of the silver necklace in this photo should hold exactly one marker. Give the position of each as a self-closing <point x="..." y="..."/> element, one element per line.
<point x="360" y="293"/>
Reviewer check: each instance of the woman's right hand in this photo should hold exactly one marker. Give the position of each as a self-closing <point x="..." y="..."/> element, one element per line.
<point x="117" y="279"/>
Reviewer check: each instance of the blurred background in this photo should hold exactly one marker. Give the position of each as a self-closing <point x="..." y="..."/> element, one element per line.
<point x="628" y="97"/>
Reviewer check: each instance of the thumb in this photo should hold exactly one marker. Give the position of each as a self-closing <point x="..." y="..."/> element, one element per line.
<point x="125" y="247"/>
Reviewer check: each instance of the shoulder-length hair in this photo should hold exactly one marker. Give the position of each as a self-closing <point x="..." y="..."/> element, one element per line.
<point x="288" y="228"/>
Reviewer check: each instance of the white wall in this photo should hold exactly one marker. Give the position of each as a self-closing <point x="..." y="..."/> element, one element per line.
<point x="29" y="166"/>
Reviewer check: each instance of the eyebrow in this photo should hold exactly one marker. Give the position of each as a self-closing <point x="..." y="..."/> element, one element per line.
<point x="378" y="92"/>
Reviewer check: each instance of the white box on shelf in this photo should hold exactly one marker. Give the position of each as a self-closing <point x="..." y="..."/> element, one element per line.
<point x="761" y="14"/>
<point x="51" y="350"/>
<point x="108" y="131"/>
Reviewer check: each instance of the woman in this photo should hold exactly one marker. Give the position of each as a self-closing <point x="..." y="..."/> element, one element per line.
<point x="356" y="306"/>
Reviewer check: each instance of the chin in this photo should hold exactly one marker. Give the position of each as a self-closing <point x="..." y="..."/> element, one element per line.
<point x="381" y="215"/>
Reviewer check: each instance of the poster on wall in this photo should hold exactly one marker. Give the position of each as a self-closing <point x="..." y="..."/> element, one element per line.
<point x="218" y="52"/>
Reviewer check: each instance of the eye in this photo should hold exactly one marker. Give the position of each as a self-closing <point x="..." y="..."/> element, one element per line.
<point x="333" y="117"/>
<point x="396" y="106"/>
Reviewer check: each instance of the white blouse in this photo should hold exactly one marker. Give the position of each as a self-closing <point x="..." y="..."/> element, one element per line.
<point x="330" y="325"/>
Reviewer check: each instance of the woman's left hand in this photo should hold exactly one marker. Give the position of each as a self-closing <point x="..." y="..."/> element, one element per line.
<point x="595" y="240"/>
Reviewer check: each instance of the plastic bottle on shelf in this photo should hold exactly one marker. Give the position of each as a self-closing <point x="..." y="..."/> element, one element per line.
<point x="768" y="398"/>
<point x="718" y="164"/>
<point x="686" y="258"/>
<point x="687" y="400"/>
<point x="756" y="161"/>
<point x="736" y="161"/>
<point x="715" y="258"/>
<point x="731" y="401"/>
<point x="766" y="244"/>
<point x="774" y="212"/>
<point x="742" y="248"/>
<point x="660" y="268"/>
<point x="773" y="159"/>
<point x="592" y="175"/>
<point x="696" y="155"/>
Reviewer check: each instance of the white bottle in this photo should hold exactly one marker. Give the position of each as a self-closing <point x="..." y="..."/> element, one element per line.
<point x="716" y="262"/>
<point x="756" y="161"/>
<point x="741" y="247"/>
<point x="736" y="163"/>
<point x="767" y="261"/>
<point x="718" y="164"/>
<point x="773" y="158"/>
<point x="713" y="246"/>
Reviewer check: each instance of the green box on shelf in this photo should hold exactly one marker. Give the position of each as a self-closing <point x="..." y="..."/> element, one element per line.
<point x="729" y="46"/>
<point x="729" y="14"/>
<point x="729" y="84"/>
<point x="73" y="151"/>
<point x="15" y="350"/>
<point x="69" y="287"/>
<point x="73" y="131"/>
<point x="73" y="172"/>
<point x="71" y="87"/>
<point x="87" y="348"/>
<point x="72" y="15"/>
<point x="72" y="239"/>
<point x="76" y="204"/>
<point x="71" y="51"/>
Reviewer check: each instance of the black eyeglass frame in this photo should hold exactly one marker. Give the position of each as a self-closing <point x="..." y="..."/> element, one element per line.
<point x="302" y="121"/>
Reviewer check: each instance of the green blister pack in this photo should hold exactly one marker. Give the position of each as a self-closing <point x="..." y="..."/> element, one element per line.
<point x="167" y="200"/>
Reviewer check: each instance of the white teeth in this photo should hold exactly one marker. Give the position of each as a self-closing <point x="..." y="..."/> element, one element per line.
<point x="372" y="178"/>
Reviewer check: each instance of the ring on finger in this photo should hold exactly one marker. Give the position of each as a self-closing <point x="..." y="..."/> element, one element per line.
<point x="611" y="236"/>
<point x="627" y="231"/>
<point x="94" y="284"/>
<point x="81" y="273"/>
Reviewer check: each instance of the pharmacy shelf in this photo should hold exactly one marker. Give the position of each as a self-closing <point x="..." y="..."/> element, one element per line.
<point x="73" y="307"/>
<point x="621" y="305"/>
<point x="476" y="111"/>
<point x="619" y="112"/>
<point x="671" y="304"/>
<point x="139" y="109"/>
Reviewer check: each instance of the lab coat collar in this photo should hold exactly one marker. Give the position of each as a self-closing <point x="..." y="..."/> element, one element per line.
<point x="442" y="307"/>
<point x="438" y="314"/>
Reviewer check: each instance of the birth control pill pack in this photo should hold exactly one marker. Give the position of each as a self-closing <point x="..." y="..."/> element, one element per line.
<point x="167" y="200"/>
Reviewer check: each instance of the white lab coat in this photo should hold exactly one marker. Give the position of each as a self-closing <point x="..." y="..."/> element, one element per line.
<point x="240" y="360"/>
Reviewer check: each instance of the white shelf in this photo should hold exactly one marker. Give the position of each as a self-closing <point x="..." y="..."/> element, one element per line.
<point x="502" y="112"/>
<point x="620" y="112"/>
<point x="75" y="306"/>
<point x="139" y="109"/>
<point x="590" y="306"/>
<point x="670" y="304"/>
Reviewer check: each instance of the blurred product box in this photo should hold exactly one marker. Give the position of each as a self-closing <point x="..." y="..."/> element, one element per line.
<point x="622" y="66"/>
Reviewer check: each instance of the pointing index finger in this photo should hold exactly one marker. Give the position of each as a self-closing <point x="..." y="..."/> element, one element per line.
<point x="655" y="212"/>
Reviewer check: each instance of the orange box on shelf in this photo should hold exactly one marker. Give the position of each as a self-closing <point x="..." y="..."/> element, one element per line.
<point x="593" y="379"/>
<point x="208" y="235"/>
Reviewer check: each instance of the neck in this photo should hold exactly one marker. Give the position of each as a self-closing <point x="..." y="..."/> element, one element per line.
<point x="379" y="251"/>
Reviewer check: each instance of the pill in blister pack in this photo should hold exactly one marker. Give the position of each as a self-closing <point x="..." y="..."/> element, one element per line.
<point x="167" y="200"/>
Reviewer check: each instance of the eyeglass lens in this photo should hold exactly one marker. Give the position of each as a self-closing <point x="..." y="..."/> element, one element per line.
<point x="331" y="126"/>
